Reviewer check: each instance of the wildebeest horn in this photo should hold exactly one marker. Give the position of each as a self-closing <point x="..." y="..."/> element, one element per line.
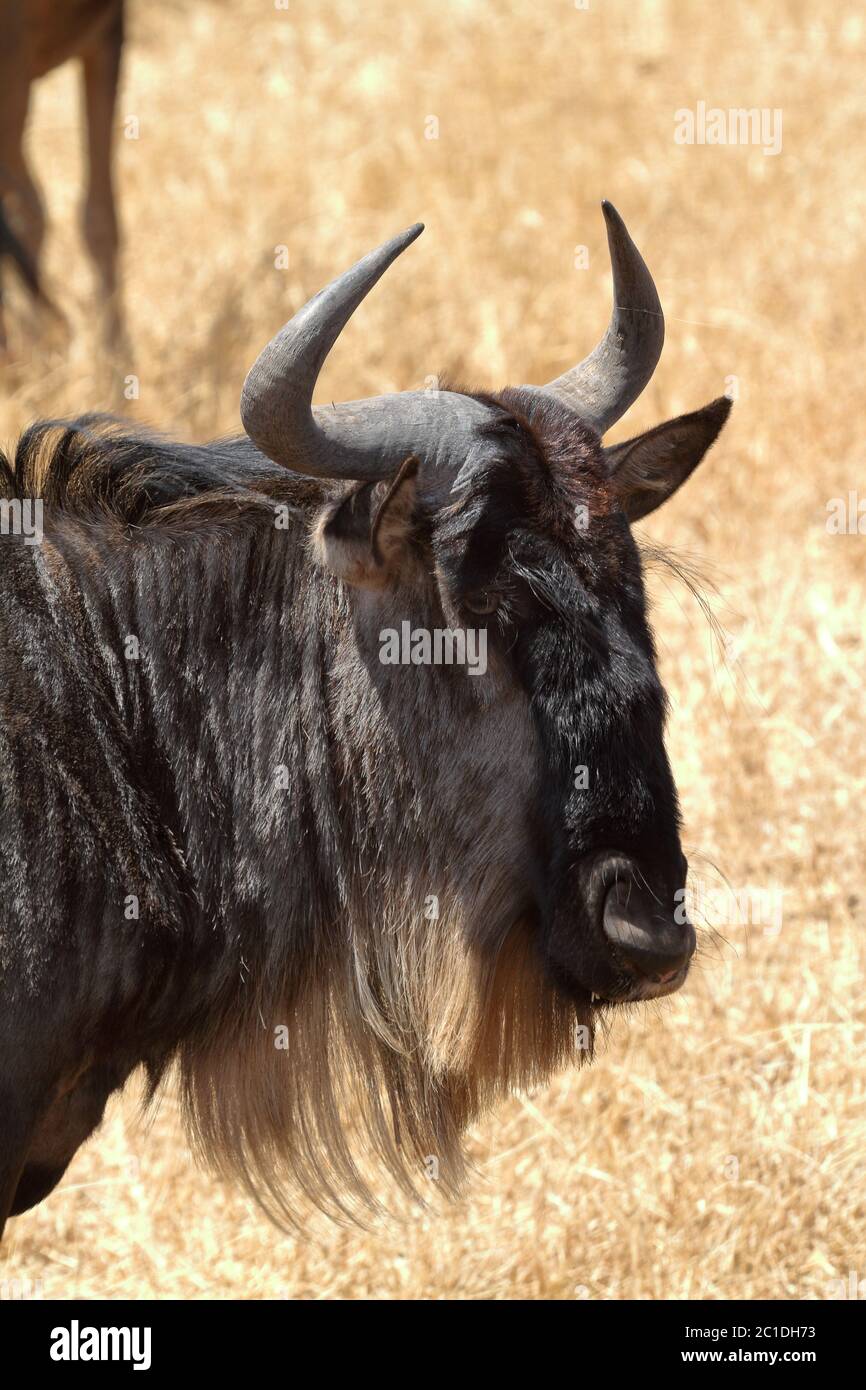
<point x="602" y="387"/>
<point x="357" y="439"/>
<point x="369" y="439"/>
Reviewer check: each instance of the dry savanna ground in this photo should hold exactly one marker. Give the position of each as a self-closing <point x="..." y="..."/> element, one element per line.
<point x="717" y="1148"/>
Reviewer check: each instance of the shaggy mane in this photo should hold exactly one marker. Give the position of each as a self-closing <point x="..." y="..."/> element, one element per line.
<point x="387" y="1052"/>
<point x="97" y="465"/>
<point x="385" y="1034"/>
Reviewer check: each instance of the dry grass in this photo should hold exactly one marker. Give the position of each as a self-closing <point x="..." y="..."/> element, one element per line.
<point x="718" y="1146"/>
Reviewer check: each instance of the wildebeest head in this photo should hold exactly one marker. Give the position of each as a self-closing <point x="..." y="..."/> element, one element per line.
<point x="505" y="516"/>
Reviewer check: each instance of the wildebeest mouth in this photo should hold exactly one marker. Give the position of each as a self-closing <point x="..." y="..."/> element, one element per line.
<point x="647" y="932"/>
<point x="638" y="945"/>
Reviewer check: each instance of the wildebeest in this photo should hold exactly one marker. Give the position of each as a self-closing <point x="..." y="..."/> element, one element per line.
<point x="355" y="902"/>
<point x="36" y="36"/>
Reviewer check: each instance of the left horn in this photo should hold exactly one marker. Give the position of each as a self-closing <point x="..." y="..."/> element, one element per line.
<point x="602" y="387"/>
<point x="362" y="440"/>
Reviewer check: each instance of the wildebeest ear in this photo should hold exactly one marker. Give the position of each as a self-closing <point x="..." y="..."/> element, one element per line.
<point x="363" y="538"/>
<point x="648" y="469"/>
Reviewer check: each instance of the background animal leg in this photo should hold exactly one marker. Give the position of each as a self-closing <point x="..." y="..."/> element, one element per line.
<point x="22" y="220"/>
<point x="101" y="77"/>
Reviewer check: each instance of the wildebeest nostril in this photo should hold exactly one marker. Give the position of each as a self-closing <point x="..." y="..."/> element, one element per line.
<point x="651" y="943"/>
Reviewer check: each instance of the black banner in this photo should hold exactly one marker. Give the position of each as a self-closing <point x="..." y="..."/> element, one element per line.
<point x="258" y="1338"/>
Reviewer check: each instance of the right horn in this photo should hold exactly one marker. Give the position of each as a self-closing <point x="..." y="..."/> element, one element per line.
<point x="602" y="387"/>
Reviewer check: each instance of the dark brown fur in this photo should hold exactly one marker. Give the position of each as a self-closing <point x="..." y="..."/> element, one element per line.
<point x="283" y="806"/>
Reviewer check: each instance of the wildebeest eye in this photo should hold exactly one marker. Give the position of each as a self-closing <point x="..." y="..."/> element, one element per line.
<point x="482" y="601"/>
